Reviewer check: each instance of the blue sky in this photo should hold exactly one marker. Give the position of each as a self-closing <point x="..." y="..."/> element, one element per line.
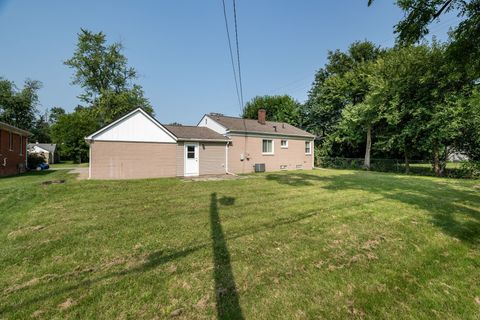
<point x="180" y="51"/>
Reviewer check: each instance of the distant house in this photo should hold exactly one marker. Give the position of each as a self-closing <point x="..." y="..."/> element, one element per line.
<point x="48" y="151"/>
<point x="138" y="146"/>
<point x="13" y="149"/>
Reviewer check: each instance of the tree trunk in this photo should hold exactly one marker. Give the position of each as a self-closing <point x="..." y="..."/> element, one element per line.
<point x="436" y="162"/>
<point x="407" y="164"/>
<point x="368" y="148"/>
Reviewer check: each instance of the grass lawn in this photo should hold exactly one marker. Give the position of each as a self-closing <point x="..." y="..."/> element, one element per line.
<point x="68" y="165"/>
<point x="330" y="244"/>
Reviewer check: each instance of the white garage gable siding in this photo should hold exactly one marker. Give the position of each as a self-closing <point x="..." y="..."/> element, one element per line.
<point x="135" y="127"/>
<point x="212" y="124"/>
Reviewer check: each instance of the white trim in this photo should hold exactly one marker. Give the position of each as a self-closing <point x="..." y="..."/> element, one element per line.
<point x="284" y="147"/>
<point x="217" y="127"/>
<point x="197" y="155"/>
<point x="273" y="147"/>
<point x="158" y="124"/>
<point x="309" y="148"/>
<point x="90" y="162"/>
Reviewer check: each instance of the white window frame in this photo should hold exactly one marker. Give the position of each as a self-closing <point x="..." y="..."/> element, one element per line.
<point x="309" y="147"/>
<point x="273" y="147"/>
<point x="286" y="144"/>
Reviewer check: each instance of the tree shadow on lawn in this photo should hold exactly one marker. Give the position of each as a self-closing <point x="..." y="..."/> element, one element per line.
<point x="452" y="210"/>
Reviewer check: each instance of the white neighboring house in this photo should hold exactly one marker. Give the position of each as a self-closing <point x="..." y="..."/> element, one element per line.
<point x="46" y="150"/>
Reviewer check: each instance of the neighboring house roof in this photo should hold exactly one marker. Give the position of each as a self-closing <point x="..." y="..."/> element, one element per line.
<point x="6" y="126"/>
<point x="240" y="125"/>
<point x="195" y="133"/>
<point x="50" y="147"/>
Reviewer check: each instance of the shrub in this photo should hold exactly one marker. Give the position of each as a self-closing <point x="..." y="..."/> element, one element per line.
<point x="470" y="169"/>
<point x="33" y="160"/>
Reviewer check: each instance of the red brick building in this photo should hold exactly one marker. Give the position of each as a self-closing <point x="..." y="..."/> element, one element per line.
<point x="13" y="149"/>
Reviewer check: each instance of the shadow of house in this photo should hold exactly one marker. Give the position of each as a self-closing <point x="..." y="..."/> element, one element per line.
<point x="456" y="212"/>
<point x="227" y="301"/>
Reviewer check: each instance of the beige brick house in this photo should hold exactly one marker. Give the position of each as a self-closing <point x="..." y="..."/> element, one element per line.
<point x="138" y="146"/>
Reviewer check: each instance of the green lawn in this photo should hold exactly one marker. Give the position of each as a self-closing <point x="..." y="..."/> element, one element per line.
<point x="68" y="164"/>
<point x="329" y="244"/>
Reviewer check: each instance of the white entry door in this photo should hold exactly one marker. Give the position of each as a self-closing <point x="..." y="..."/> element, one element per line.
<point x="191" y="159"/>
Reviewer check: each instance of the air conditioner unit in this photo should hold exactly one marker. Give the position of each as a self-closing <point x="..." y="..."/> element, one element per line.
<point x="259" y="167"/>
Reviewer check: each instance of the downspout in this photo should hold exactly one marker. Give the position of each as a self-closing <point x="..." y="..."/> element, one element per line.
<point x="226" y="160"/>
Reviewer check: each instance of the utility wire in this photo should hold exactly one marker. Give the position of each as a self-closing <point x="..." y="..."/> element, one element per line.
<point x="231" y="55"/>
<point x="238" y="53"/>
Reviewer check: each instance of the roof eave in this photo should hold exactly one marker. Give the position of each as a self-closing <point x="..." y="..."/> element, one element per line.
<point x="271" y="133"/>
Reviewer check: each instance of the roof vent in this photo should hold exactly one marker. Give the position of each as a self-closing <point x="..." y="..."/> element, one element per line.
<point x="275" y="128"/>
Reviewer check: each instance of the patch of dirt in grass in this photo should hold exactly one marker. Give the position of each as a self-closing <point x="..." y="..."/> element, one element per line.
<point x="66" y="304"/>
<point x="203" y="302"/>
<point x="37" y="313"/>
<point x="25" y="230"/>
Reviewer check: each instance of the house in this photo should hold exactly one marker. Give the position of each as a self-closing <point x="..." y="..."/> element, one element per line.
<point x="47" y="151"/>
<point x="13" y="149"/>
<point x="138" y="146"/>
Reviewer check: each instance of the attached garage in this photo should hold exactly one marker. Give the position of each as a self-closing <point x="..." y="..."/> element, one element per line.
<point x="138" y="146"/>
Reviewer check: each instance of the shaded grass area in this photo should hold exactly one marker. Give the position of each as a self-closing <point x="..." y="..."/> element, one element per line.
<point x="290" y="245"/>
<point x="68" y="165"/>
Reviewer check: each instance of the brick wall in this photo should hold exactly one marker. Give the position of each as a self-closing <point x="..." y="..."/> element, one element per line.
<point x="12" y="159"/>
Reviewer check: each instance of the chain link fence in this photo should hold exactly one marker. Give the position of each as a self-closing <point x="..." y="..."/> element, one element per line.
<point x="452" y="169"/>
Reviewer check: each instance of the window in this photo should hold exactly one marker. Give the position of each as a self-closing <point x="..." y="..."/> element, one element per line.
<point x="21" y="145"/>
<point x="284" y="144"/>
<point x="267" y="147"/>
<point x="308" y="149"/>
<point x="10" y="140"/>
<point x="190" y="152"/>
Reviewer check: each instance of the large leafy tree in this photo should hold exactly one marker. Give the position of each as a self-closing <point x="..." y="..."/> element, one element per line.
<point x="464" y="46"/>
<point x="338" y="94"/>
<point x="19" y="107"/>
<point x="69" y="133"/>
<point x="335" y="86"/>
<point x="418" y="90"/>
<point x="282" y="108"/>
<point x="102" y="71"/>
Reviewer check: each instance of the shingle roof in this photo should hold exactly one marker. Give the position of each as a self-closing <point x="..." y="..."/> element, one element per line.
<point x="234" y="124"/>
<point x="50" y="147"/>
<point x="195" y="133"/>
<point x="8" y="127"/>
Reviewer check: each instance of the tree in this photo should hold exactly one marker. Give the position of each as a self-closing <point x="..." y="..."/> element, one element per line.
<point x="419" y="14"/>
<point x="331" y="91"/>
<point x="338" y="94"/>
<point x="103" y="72"/>
<point x="281" y="108"/>
<point x="54" y="114"/>
<point x="41" y="129"/>
<point x="70" y="131"/>
<point x="19" y="107"/>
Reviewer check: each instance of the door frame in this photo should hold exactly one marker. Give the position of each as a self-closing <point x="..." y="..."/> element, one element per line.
<point x="197" y="156"/>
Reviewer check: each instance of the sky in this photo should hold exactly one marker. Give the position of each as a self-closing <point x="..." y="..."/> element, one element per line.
<point x="180" y="48"/>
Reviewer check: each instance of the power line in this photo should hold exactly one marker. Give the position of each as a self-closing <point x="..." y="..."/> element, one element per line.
<point x="231" y="55"/>
<point x="238" y="52"/>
